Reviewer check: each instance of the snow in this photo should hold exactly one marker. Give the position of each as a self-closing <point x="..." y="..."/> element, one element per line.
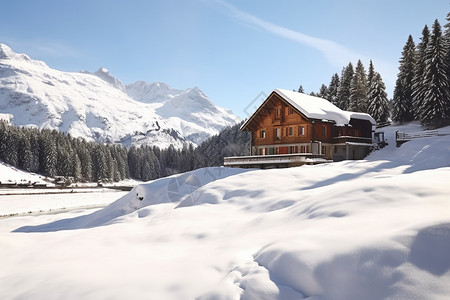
<point x="11" y="175"/>
<point x="54" y="200"/>
<point x="98" y="106"/>
<point x="372" y="229"/>
<point x="319" y="108"/>
<point x="6" y="117"/>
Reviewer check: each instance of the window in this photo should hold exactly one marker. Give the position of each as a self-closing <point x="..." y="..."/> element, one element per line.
<point x="277" y="113"/>
<point x="278" y="133"/>
<point x="301" y="130"/>
<point x="324" y="130"/>
<point x="324" y="150"/>
<point x="292" y="149"/>
<point x="262" y="134"/>
<point x="291" y="131"/>
<point x="290" y="111"/>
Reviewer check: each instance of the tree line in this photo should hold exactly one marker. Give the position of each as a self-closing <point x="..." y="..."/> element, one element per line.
<point x="357" y="90"/>
<point x="53" y="153"/>
<point x="422" y="89"/>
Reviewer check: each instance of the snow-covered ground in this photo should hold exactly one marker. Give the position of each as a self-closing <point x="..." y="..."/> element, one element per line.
<point x="11" y="175"/>
<point x="12" y="205"/>
<point x="372" y="229"/>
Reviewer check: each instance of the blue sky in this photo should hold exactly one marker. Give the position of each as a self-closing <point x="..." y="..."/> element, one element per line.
<point x="232" y="50"/>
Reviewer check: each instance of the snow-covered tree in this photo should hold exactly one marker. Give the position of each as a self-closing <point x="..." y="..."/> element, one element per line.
<point x="358" y="89"/>
<point x="403" y="98"/>
<point x="34" y="146"/>
<point x="10" y="146"/>
<point x="75" y="165"/>
<point x="370" y="74"/>
<point x="25" y="153"/>
<point x="378" y="106"/>
<point x="333" y="89"/>
<point x="447" y="40"/>
<point x="418" y="88"/>
<point x="343" y="95"/>
<point x="323" y="92"/>
<point x="435" y="109"/>
<point x="48" y="158"/>
<point x="86" y="160"/>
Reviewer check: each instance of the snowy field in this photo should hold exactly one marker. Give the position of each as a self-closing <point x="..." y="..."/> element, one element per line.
<point x="372" y="229"/>
<point x="11" y="205"/>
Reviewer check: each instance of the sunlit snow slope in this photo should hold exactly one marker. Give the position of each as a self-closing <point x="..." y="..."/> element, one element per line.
<point x="97" y="107"/>
<point x="371" y="229"/>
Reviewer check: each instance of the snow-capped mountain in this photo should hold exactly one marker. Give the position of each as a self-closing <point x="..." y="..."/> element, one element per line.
<point x="104" y="74"/>
<point x="98" y="106"/>
<point x="190" y="111"/>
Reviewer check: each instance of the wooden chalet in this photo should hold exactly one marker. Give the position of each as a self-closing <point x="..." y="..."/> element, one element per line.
<point x="290" y="129"/>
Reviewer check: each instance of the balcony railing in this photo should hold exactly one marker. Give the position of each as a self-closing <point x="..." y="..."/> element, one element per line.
<point x="351" y="139"/>
<point x="278" y="159"/>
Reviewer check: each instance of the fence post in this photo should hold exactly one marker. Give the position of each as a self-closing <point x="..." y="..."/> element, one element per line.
<point x="396" y="139"/>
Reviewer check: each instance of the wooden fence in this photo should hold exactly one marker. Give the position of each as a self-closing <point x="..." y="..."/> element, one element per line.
<point x="403" y="137"/>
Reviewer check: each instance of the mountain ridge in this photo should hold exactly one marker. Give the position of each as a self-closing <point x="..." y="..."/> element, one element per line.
<point x="80" y="103"/>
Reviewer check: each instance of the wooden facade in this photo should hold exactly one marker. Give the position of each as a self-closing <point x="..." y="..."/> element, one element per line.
<point x="279" y="127"/>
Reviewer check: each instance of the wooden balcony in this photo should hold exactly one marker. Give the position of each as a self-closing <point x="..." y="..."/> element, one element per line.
<point x="274" y="161"/>
<point x="352" y="139"/>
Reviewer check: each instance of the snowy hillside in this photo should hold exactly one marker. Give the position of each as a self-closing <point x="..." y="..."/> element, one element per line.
<point x="96" y="106"/>
<point x="371" y="229"/>
<point x="11" y="175"/>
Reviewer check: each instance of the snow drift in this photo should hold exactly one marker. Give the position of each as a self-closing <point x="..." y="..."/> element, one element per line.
<point x="372" y="229"/>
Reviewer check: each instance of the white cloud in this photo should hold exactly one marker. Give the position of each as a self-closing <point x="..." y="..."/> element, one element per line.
<point x="335" y="53"/>
<point x="40" y="47"/>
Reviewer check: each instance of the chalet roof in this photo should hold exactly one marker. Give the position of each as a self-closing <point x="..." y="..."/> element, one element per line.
<point x="317" y="108"/>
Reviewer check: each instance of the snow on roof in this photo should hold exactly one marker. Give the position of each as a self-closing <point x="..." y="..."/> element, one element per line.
<point x="318" y="108"/>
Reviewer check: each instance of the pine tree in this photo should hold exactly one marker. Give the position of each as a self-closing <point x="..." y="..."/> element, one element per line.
<point x="99" y="164"/>
<point x="76" y="167"/>
<point x="418" y="88"/>
<point x="323" y="92"/>
<point x="358" y="89"/>
<point x="84" y="151"/>
<point x="63" y="161"/>
<point x="300" y="89"/>
<point x="343" y="95"/>
<point x="25" y="153"/>
<point x="333" y="89"/>
<point x="436" y="103"/>
<point x="3" y="129"/>
<point x="378" y="106"/>
<point x="48" y="158"/>
<point x="370" y="74"/>
<point x="447" y="40"/>
<point x="404" y="101"/>
<point x="34" y="146"/>
<point x="11" y="146"/>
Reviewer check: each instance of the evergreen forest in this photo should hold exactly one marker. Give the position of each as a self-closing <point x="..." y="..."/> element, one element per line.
<point x="422" y="88"/>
